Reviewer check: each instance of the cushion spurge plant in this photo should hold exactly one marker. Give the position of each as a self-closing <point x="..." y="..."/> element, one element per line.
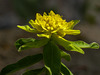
<point x="52" y="28"/>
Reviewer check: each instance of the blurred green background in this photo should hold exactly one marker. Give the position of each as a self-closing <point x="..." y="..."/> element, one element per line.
<point x="19" y="12"/>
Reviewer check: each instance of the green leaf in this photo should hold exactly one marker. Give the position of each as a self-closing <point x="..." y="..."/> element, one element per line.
<point x="44" y="35"/>
<point x="75" y="48"/>
<point x="21" y="64"/>
<point x="66" y="44"/>
<point x="94" y="45"/>
<point x="33" y="72"/>
<point x="27" y="43"/>
<point x="72" y="32"/>
<point x="83" y="44"/>
<point x="52" y="58"/>
<point x="65" y="55"/>
<point x="27" y="28"/>
<point x="75" y="22"/>
<point x="65" y="70"/>
<point x="61" y="41"/>
<point x="23" y="41"/>
<point x="49" y="72"/>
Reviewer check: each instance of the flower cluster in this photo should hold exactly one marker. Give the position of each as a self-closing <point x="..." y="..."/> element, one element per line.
<point x="51" y="23"/>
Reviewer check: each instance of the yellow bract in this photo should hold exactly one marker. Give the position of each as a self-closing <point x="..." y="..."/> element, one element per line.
<point x="52" y="23"/>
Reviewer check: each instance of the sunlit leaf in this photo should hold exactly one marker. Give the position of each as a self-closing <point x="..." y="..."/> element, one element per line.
<point x="75" y="22"/>
<point x="72" y="32"/>
<point x="66" y="44"/>
<point x="94" y="45"/>
<point x="83" y="44"/>
<point x="49" y="72"/>
<point x="26" y="43"/>
<point x="44" y="35"/>
<point x="65" y="55"/>
<point x="27" y="28"/>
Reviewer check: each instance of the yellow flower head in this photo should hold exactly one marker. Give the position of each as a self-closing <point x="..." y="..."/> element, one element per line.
<point x="51" y="23"/>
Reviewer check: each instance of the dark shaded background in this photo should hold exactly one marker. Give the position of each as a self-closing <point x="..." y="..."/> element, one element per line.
<point x="14" y="12"/>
